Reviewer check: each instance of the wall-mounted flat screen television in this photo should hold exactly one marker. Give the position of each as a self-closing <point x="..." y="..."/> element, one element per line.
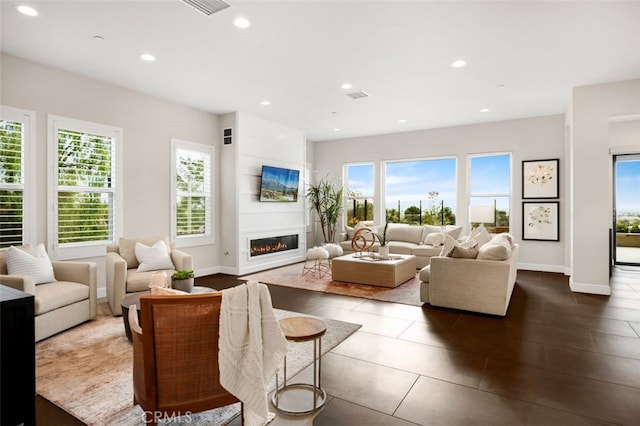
<point x="279" y="185"/>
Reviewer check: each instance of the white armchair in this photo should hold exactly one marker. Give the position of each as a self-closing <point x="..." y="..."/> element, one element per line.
<point x="123" y="276"/>
<point x="69" y="300"/>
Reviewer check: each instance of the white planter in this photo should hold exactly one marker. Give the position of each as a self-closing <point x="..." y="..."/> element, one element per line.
<point x="184" y="285"/>
<point x="383" y="251"/>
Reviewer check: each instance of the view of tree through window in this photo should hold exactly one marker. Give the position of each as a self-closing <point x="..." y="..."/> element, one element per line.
<point x="490" y="185"/>
<point x="421" y="191"/>
<point x="11" y="182"/>
<point x="192" y="177"/>
<point x="84" y="187"/>
<point x="192" y="193"/>
<point x="359" y="193"/>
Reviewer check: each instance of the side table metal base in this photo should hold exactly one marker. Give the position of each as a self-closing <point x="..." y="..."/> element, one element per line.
<point x="302" y="330"/>
<point x="319" y="394"/>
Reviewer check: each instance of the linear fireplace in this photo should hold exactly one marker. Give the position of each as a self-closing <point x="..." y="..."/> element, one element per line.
<point x="270" y="245"/>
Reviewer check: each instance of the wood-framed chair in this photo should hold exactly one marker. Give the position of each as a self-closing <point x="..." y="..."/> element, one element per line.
<point x="175" y="355"/>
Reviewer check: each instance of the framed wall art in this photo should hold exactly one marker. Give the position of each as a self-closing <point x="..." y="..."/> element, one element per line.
<point x="540" y="221"/>
<point x="540" y="179"/>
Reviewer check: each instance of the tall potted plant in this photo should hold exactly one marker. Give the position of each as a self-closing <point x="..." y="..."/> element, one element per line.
<point x="327" y="201"/>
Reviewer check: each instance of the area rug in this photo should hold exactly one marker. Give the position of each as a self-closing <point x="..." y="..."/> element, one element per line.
<point x="87" y="371"/>
<point x="291" y="276"/>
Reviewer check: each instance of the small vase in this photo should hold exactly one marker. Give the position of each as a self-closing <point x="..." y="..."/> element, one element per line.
<point x="383" y="251"/>
<point x="183" y="285"/>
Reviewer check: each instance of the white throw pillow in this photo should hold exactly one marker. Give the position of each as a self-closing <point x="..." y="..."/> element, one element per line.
<point x="31" y="261"/>
<point x="499" y="248"/>
<point x="153" y="258"/>
<point x="449" y="243"/>
<point x="482" y="237"/>
<point x="435" y="239"/>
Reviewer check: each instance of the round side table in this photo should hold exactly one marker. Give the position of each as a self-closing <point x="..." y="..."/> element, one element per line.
<point x="134" y="299"/>
<point x="302" y="329"/>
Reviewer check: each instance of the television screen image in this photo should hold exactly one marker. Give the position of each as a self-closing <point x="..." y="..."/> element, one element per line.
<point x="279" y="185"/>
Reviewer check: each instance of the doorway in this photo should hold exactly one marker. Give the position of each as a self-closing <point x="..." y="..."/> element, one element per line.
<point x="626" y="209"/>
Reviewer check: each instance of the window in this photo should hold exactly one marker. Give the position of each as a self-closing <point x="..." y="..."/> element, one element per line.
<point x="490" y="185"/>
<point x="359" y="193"/>
<point x="421" y="192"/>
<point x="84" y="188"/>
<point x="192" y="193"/>
<point x="17" y="206"/>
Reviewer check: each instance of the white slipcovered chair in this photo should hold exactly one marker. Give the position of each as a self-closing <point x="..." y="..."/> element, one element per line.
<point x="125" y="273"/>
<point x="65" y="294"/>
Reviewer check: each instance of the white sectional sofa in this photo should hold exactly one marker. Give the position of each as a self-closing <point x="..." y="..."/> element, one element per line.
<point x="405" y="239"/>
<point x="484" y="284"/>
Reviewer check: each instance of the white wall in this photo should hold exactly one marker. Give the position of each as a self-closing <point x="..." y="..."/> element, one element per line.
<point x="592" y="196"/>
<point x="149" y="124"/>
<point x="527" y="139"/>
<point x="262" y="142"/>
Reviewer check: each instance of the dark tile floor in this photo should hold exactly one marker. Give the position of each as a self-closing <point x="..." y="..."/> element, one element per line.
<point x="557" y="358"/>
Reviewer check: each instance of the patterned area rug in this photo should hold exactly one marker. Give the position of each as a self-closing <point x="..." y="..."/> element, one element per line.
<point x="291" y="276"/>
<point x="87" y="371"/>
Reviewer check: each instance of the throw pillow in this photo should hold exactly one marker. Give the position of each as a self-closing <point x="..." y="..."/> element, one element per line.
<point x="449" y="243"/>
<point x="31" y="261"/>
<point x="482" y="237"/>
<point x="499" y="248"/>
<point x="463" y="253"/>
<point x="153" y="258"/>
<point x="435" y="239"/>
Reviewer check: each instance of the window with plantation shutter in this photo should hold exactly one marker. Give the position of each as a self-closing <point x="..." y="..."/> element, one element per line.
<point x="16" y="173"/>
<point x="85" y="195"/>
<point x="192" y="189"/>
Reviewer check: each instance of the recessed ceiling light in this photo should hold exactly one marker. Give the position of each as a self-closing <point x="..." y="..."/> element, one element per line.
<point x="265" y="102"/>
<point x="242" y="22"/>
<point x="458" y="64"/>
<point x="346" y="86"/>
<point x="336" y="129"/>
<point x="500" y="86"/>
<point x="485" y="110"/>
<point x="147" y="57"/>
<point x="98" y="37"/>
<point x="402" y="120"/>
<point x="27" y="10"/>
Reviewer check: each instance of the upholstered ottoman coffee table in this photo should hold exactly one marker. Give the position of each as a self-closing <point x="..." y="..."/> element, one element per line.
<point x="351" y="268"/>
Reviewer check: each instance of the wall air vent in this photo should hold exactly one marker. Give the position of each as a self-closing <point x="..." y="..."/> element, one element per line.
<point x="208" y="7"/>
<point x="357" y="95"/>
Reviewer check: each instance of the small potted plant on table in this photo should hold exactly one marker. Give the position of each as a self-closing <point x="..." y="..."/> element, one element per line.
<point x="182" y="280"/>
<point x="383" y="250"/>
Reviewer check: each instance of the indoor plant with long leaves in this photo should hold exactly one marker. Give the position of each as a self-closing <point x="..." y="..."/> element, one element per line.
<point x="383" y="250"/>
<point x="327" y="201"/>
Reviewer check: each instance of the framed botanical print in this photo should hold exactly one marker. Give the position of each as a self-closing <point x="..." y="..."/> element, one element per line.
<point x="540" y="179"/>
<point x="540" y="221"/>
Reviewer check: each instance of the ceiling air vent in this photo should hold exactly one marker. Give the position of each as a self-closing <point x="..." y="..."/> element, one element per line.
<point x="208" y="7"/>
<point x="357" y="95"/>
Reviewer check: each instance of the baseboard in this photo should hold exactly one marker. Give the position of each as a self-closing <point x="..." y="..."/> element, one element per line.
<point x="203" y="272"/>
<point x="589" y="288"/>
<point x="229" y="270"/>
<point x="543" y="268"/>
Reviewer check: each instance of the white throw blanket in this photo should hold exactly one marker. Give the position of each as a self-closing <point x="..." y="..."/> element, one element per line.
<point x="251" y="348"/>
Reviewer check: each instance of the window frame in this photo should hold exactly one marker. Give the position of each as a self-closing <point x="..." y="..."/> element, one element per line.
<point x="493" y="195"/>
<point x="365" y="197"/>
<point x="28" y="120"/>
<point x="192" y="240"/>
<point x="385" y="169"/>
<point x="83" y="249"/>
